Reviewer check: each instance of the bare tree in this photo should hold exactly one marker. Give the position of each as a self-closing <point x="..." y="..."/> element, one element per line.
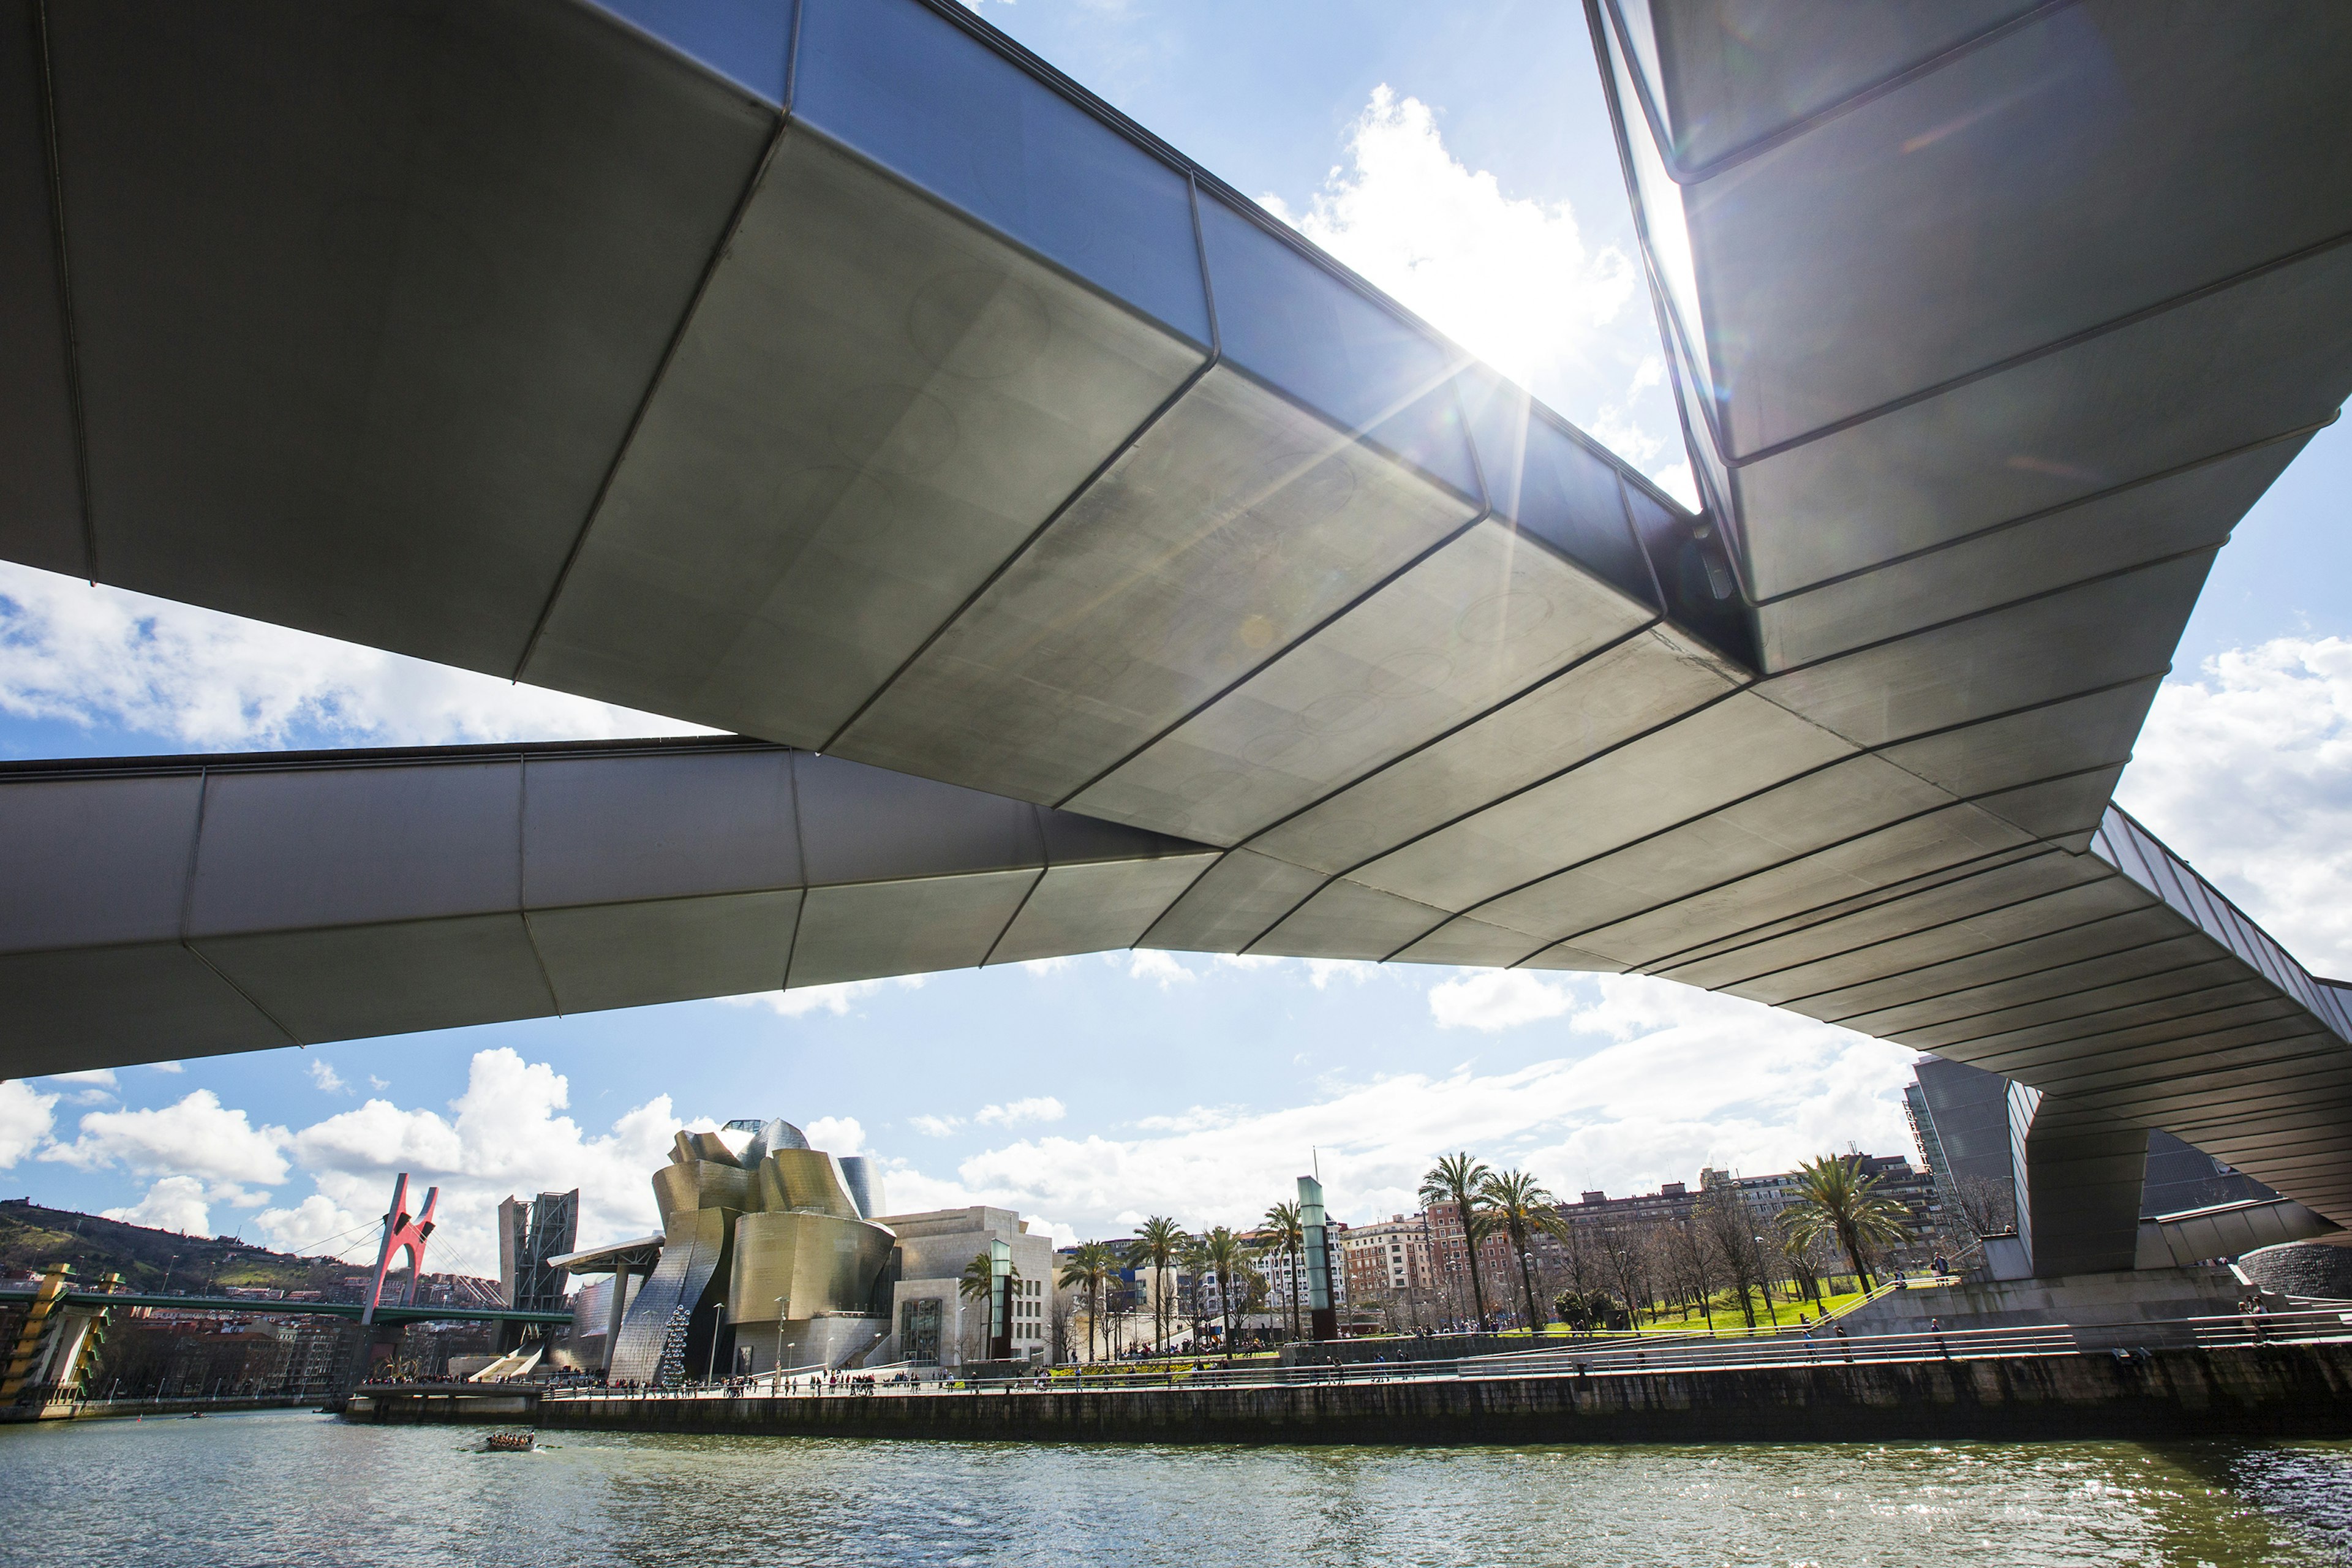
<point x="1808" y="1260"/>
<point x="1690" y="1266"/>
<point x="1579" y="1266"/>
<point x="1628" y="1264"/>
<point x="1734" y="1237"/>
<point x="1988" y="1206"/>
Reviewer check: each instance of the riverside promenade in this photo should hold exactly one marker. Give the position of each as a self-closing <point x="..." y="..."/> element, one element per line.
<point x="2278" y="1379"/>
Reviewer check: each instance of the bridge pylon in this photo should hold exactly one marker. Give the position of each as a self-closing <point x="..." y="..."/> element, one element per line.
<point x="402" y="1233"/>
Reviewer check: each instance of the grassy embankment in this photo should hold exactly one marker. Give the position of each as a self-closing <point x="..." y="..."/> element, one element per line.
<point x="33" y="1238"/>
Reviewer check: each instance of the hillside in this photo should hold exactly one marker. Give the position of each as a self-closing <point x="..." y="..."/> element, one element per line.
<point x="33" y="1238"/>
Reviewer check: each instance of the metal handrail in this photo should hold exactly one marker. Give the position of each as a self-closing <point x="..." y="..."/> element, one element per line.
<point x="1811" y="1347"/>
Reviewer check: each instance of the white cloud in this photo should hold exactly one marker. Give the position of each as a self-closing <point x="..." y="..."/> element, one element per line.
<point x="165" y="1066"/>
<point x="1508" y="278"/>
<point x="1150" y="964"/>
<point x="196" y="1137"/>
<point x="2246" y="772"/>
<point x="505" y="1136"/>
<point x="99" y="655"/>
<point x="1661" y="1080"/>
<point x="1496" y="999"/>
<point x="837" y="1135"/>
<point x="26" y="1117"/>
<point x="316" y="1219"/>
<point x="1321" y="972"/>
<point x="174" y="1203"/>
<point x="101" y="1082"/>
<point x="326" y="1076"/>
<point x="834" y="999"/>
<point x="1046" y="965"/>
<point x="935" y="1126"/>
<point x="1675" y="479"/>
<point x="1039" y="1108"/>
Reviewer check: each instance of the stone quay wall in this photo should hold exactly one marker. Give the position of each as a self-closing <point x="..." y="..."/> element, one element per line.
<point x="495" y="1405"/>
<point x="2263" y="1391"/>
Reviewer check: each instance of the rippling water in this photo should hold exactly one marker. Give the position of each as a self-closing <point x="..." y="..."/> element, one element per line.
<point x="285" y="1487"/>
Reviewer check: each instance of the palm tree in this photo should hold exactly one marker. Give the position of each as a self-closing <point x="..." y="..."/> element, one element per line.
<point x="1228" y="1254"/>
<point x="979" y="1280"/>
<point x="1456" y="1179"/>
<point x="1836" y="1202"/>
<point x="1088" y="1271"/>
<point x="1284" y="1234"/>
<point x="1157" y="1247"/>
<point x="1194" y="1260"/>
<point x="1517" y="1202"/>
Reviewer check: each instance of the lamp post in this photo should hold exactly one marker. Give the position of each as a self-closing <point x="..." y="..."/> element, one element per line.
<point x="776" y="1377"/>
<point x="718" y="1324"/>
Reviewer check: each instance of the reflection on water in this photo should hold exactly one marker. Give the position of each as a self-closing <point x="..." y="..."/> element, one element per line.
<point x="279" y="1488"/>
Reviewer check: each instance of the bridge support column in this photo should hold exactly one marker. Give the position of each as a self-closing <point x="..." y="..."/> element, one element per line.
<point x="2078" y="1175"/>
<point x="359" y="1356"/>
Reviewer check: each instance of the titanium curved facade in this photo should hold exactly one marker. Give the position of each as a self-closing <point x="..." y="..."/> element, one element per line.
<point x="761" y="1243"/>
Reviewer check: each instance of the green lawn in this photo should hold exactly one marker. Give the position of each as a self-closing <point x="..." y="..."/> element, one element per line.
<point x="1727" y="1320"/>
<point x="1729" y="1323"/>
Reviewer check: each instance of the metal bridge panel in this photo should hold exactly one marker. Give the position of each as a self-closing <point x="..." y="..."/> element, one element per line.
<point x="1665" y="779"/>
<point x="298" y="849"/>
<point x="40" y="482"/>
<point x="665" y="950"/>
<point x="1487" y="616"/>
<point x="1465" y="940"/>
<point x="1642" y="683"/>
<point x="1348" y="920"/>
<point x="1234" y="526"/>
<point x="2048" y="139"/>
<point x="359" y="399"/>
<point x="93" y="865"/>
<point x="874" y="407"/>
<point x="1092" y="907"/>
<point x="879" y="929"/>
<point x="2127" y="526"/>
<point x="347" y="983"/>
<point x="663" y="826"/>
<point x="1814" y="813"/>
<point x="1866" y="930"/>
<point x="2046" y="916"/>
<point x="2103" y="633"/>
<point x="76" y="1009"/>
<point x="1233" y="900"/>
<point x="1882" y="858"/>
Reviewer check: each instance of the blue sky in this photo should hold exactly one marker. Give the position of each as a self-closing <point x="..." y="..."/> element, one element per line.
<point x="1459" y="156"/>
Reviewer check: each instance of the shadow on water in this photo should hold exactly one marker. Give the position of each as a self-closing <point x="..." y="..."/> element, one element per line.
<point x="286" y="1487"/>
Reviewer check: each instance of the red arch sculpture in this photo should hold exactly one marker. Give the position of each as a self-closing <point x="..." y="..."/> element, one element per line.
<point x="402" y="1234"/>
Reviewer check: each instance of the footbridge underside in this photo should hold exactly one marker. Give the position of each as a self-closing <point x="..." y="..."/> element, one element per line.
<point x="1097" y="563"/>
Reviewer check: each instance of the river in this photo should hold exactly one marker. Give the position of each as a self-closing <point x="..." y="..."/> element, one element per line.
<point x="283" y="1487"/>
